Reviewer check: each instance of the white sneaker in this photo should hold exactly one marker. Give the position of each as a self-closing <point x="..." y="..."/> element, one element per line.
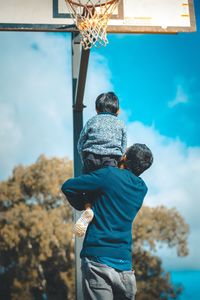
<point x="82" y="223"/>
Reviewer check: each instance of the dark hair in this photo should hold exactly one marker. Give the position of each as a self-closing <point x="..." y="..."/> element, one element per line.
<point x="138" y="158"/>
<point x="107" y="102"/>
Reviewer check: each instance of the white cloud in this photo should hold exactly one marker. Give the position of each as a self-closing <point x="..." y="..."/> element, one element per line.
<point x="173" y="180"/>
<point x="181" y="97"/>
<point x="35" y="96"/>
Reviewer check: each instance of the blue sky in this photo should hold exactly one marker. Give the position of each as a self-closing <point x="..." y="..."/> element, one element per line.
<point x="157" y="76"/>
<point x="157" y="80"/>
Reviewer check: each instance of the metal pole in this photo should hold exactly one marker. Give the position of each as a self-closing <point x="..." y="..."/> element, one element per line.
<point x="80" y="60"/>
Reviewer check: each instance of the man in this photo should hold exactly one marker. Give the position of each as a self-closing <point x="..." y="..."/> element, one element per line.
<point x="106" y="253"/>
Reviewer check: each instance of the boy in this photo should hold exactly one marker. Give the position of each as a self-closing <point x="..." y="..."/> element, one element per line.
<point x="102" y="143"/>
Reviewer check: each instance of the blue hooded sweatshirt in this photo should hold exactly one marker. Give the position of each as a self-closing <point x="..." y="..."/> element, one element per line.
<point x="118" y="195"/>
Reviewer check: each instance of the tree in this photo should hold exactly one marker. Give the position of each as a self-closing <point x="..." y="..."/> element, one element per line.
<point x="153" y="226"/>
<point x="36" y="243"/>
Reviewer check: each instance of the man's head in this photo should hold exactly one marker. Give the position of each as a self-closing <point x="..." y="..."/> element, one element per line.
<point x="107" y="103"/>
<point x="138" y="158"/>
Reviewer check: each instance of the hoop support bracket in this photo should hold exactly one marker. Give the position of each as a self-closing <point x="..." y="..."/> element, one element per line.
<point x="80" y="59"/>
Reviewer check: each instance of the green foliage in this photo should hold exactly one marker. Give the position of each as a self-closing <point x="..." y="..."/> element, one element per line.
<point x="37" y="246"/>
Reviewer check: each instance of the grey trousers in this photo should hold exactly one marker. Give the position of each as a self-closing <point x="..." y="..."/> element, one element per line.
<point x="101" y="282"/>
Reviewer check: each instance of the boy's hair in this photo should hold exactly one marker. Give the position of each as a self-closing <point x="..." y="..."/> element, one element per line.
<point x="107" y="102"/>
<point x="138" y="158"/>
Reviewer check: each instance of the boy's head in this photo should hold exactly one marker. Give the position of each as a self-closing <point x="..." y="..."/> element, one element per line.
<point x="138" y="158"/>
<point x="107" y="103"/>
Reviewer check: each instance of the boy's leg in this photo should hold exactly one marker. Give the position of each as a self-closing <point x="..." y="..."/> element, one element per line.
<point x="86" y="217"/>
<point x="110" y="161"/>
<point x="82" y="223"/>
<point x="92" y="162"/>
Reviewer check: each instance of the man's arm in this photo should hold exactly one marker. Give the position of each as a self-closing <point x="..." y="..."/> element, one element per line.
<point x="75" y="188"/>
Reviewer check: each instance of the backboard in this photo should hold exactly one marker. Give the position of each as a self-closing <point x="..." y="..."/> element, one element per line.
<point x="131" y="16"/>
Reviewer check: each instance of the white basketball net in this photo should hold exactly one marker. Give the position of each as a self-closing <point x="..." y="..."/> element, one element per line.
<point x="91" y="18"/>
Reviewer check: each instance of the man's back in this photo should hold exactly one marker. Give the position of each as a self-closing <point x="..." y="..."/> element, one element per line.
<point x="118" y="197"/>
<point x="115" y="208"/>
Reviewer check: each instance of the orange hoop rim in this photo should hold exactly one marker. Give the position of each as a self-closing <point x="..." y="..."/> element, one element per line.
<point x="90" y="6"/>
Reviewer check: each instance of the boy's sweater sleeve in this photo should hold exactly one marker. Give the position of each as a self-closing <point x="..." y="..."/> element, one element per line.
<point x="124" y="139"/>
<point x="75" y="188"/>
<point x="82" y="138"/>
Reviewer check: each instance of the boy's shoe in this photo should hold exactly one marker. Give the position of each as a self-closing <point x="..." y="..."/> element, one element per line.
<point x="82" y="223"/>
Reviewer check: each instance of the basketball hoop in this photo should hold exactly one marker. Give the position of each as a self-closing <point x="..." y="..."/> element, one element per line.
<point x="91" y="18"/>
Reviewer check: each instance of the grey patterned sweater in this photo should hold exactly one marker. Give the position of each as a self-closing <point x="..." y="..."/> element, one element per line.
<point x="104" y="134"/>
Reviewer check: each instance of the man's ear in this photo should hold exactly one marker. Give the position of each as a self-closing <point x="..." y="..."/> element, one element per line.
<point x="123" y="159"/>
<point x="118" y="112"/>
